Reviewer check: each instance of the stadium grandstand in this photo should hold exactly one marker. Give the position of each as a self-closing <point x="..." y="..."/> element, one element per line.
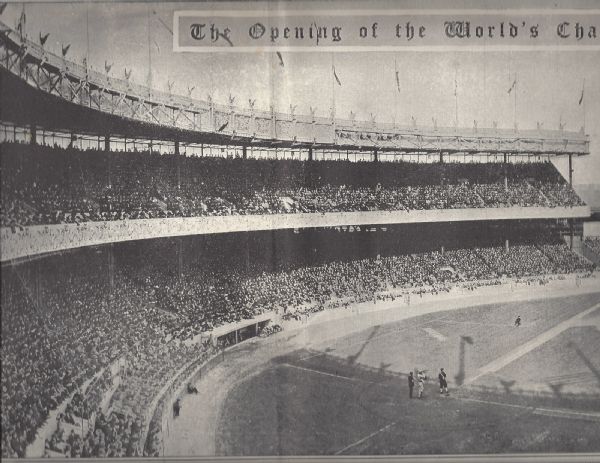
<point x="144" y="234"/>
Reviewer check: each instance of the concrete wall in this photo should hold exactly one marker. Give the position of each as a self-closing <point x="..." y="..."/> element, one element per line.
<point x="591" y="228"/>
<point x="40" y="239"/>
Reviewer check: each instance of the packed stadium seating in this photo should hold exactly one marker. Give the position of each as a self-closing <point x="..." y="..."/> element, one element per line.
<point x="44" y="185"/>
<point x="67" y="318"/>
<point x="593" y="242"/>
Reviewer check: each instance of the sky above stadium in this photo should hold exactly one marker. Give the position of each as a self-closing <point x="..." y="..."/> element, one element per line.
<point x="138" y="37"/>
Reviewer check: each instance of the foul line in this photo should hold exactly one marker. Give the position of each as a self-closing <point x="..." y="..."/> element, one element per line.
<point x="347" y="378"/>
<point x="534" y="343"/>
<point x="571" y="414"/>
<point x="568" y="414"/>
<point x="358" y="442"/>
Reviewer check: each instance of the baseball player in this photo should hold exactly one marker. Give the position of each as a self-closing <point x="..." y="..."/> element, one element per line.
<point x="421" y="381"/>
<point x="443" y="382"/>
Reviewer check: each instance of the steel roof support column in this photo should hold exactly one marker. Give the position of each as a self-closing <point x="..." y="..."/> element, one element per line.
<point x="571" y="169"/>
<point x="180" y="257"/>
<point x="571" y="234"/>
<point x="108" y="159"/>
<point x="505" y="174"/>
<point x="571" y="184"/>
<point x="111" y="267"/>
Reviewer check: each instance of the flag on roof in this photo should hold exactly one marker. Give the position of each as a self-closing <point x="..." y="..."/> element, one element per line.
<point x="514" y="84"/>
<point x="337" y="79"/>
<point x="43" y="38"/>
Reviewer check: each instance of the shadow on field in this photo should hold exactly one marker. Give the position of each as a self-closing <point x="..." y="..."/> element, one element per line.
<point x="585" y="360"/>
<point x="460" y="376"/>
<point x="395" y="383"/>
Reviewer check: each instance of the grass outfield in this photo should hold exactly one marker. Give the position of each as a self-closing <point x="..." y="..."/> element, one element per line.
<point x="350" y="395"/>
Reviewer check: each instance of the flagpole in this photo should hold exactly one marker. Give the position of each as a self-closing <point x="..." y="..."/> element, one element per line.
<point x="583" y="101"/>
<point x="149" y="49"/>
<point x="515" y="108"/>
<point x="332" y="85"/>
<point x="22" y="21"/>
<point x="396" y="93"/>
<point x="456" y="96"/>
<point x="87" y="36"/>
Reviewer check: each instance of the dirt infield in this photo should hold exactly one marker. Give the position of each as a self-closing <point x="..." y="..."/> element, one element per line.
<point x="294" y="394"/>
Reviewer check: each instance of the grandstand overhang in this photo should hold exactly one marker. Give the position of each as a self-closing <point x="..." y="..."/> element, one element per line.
<point x="43" y="89"/>
<point x="43" y="239"/>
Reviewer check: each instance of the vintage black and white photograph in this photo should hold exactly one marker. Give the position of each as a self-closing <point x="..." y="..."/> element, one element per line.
<point x="290" y="229"/>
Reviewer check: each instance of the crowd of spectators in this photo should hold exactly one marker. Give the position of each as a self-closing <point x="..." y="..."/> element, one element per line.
<point x="67" y="318"/>
<point x="84" y="405"/>
<point x="61" y="329"/>
<point x="44" y="185"/>
<point x="593" y="242"/>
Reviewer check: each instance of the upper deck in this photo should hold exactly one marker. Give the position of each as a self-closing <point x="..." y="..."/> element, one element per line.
<point x="189" y="119"/>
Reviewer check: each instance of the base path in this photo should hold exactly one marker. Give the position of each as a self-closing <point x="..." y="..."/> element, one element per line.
<point x="523" y="349"/>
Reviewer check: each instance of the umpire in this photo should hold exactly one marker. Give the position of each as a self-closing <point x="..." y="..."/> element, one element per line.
<point x="411" y="384"/>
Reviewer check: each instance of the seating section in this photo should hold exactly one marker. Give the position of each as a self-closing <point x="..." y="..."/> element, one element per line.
<point x="44" y="185"/>
<point x="593" y="242"/>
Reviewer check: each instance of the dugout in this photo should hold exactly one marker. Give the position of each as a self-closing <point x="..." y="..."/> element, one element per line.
<point x="231" y="334"/>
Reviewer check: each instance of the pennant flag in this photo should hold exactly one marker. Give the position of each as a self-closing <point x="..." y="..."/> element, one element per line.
<point x="43" y="38"/>
<point x="127" y="74"/>
<point x="337" y="79"/>
<point x="2" y="7"/>
<point x="22" y="21"/>
<point x="514" y="84"/>
<point x="220" y="129"/>
<point x="107" y="67"/>
<point x="170" y="85"/>
<point x="455" y="86"/>
<point x="397" y="76"/>
<point x="190" y="90"/>
<point x="280" y="59"/>
<point x="65" y="50"/>
<point x="581" y="97"/>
